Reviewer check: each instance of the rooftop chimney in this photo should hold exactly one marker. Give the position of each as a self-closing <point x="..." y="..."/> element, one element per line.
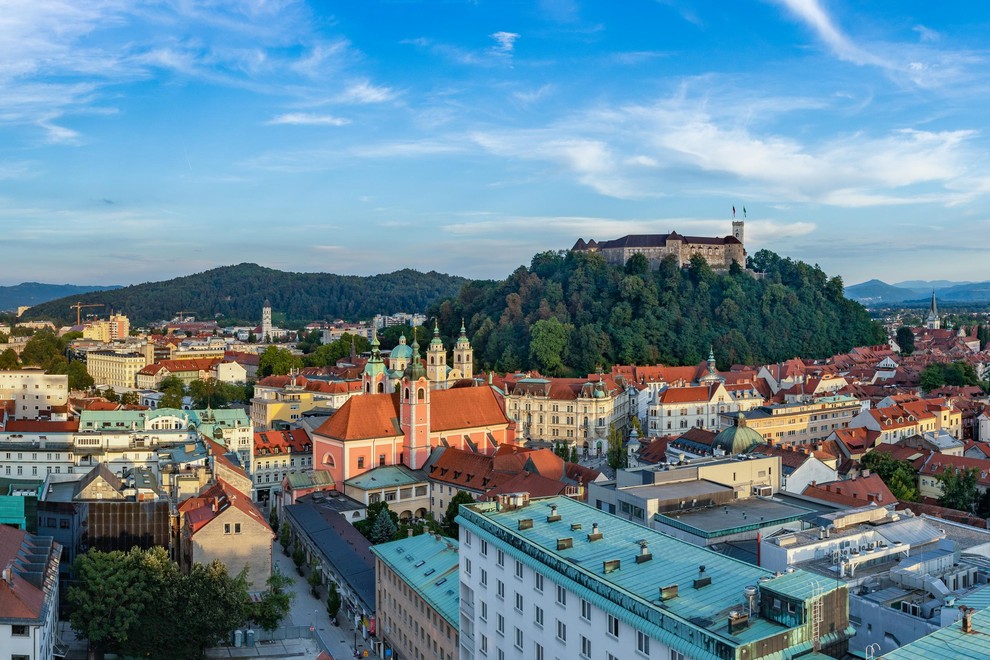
<point x="967" y="619"/>
<point x="644" y="553"/>
<point x="553" y="517"/>
<point x="595" y="534"/>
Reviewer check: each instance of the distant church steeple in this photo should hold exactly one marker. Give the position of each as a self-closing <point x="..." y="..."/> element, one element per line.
<point x="933" y="322"/>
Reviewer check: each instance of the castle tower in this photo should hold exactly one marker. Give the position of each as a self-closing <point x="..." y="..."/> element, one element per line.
<point x="266" y="321"/>
<point x="373" y="378"/>
<point x="464" y="354"/>
<point x="737" y="230"/>
<point x="436" y="359"/>
<point x="933" y="322"/>
<point x="414" y="411"/>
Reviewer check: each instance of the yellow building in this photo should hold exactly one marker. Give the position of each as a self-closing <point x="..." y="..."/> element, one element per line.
<point x="115" y="327"/>
<point x="799" y="423"/>
<point x="115" y="369"/>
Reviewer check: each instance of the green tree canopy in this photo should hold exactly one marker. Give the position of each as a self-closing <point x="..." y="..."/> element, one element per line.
<point x="548" y="344"/>
<point x="276" y="361"/>
<point x="9" y="359"/>
<point x="382" y="530"/>
<point x="79" y="378"/>
<point x="959" y="488"/>
<point x="899" y="476"/>
<point x="571" y="312"/>
<point x="448" y="525"/>
<point x="328" y="354"/>
<point x="127" y="602"/>
<point x="905" y="340"/>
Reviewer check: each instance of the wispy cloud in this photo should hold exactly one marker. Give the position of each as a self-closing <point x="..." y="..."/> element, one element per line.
<point x="505" y="42"/>
<point x="815" y="17"/>
<point x="363" y="91"/>
<point x="304" y="119"/>
<point x="60" y="58"/>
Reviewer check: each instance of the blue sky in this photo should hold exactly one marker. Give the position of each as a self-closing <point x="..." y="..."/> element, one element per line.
<point x="145" y="140"/>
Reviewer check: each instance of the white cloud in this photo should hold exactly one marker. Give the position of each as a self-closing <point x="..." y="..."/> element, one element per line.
<point x="815" y="17"/>
<point x="304" y="119"/>
<point x="926" y="34"/>
<point x="504" y="42"/>
<point x="363" y="91"/>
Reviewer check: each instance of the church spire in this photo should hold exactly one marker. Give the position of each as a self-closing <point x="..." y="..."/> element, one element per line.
<point x="933" y="322"/>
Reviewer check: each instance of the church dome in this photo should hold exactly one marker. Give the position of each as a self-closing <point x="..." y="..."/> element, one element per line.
<point x="737" y="439"/>
<point x="401" y="352"/>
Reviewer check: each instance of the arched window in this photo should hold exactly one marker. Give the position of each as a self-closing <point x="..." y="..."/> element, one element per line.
<point x="381" y="387"/>
<point x="367" y="387"/>
<point x="421" y="394"/>
<point x="405" y="394"/>
<point x="328" y="460"/>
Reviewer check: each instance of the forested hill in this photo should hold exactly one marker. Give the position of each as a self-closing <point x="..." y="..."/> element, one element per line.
<point x="570" y="313"/>
<point x="236" y="293"/>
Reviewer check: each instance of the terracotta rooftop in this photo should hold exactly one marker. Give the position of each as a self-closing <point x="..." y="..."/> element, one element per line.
<point x="852" y="492"/>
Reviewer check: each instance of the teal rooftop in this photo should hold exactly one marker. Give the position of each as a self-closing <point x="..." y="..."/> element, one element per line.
<point x="386" y="476"/>
<point x="670" y="588"/>
<point x="428" y="564"/>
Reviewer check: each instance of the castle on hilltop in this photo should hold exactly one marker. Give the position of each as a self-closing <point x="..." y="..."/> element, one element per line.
<point x="719" y="252"/>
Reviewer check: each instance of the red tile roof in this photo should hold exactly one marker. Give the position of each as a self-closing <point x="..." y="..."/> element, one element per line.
<point x="215" y="499"/>
<point x="295" y="441"/>
<point x="40" y="426"/>
<point x="377" y="415"/>
<point x="656" y="451"/>
<point x="937" y="463"/>
<point x="852" y="492"/>
<point x="364" y="416"/>
<point x="20" y="598"/>
<point x="534" y="484"/>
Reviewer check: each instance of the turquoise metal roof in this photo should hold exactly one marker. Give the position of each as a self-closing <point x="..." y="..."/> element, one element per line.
<point x="388" y="476"/>
<point x="632" y="592"/>
<point x="978" y="599"/>
<point x="950" y="642"/>
<point x="428" y="564"/>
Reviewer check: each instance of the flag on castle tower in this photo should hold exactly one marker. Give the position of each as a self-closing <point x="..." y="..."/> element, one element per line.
<point x="744" y="211"/>
<point x="733" y="211"/>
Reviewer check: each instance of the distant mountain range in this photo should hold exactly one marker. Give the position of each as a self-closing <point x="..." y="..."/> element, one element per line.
<point x="35" y="293"/>
<point x="236" y="293"/>
<point x="877" y="292"/>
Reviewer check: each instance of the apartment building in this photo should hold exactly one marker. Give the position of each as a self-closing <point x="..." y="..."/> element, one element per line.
<point x="677" y="409"/>
<point x="556" y="578"/>
<point x="800" y="423"/>
<point x="34" y="393"/>
<point x="416" y="597"/>
<point x="575" y="411"/>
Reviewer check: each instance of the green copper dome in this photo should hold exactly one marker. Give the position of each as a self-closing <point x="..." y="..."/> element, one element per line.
<point x="401" y="352"/>
<point x="738" y="439"/>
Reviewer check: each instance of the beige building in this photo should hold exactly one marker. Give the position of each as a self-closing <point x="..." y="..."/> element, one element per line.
<point x="719" y="252"/>
<point x="222" y="523"/>
<point x="115" y="327"/>
<point x="115" y="369"/>
<point x="574" y="411"/>
<point x="799" y="423"/>
<point x="33" y="391"/>
<point x="407" y="492"/>
<point x="416" y="595"/>
<point x="677" y="409"/>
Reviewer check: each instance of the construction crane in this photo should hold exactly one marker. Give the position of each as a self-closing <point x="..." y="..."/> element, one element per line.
<point x="78" y="307"/>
